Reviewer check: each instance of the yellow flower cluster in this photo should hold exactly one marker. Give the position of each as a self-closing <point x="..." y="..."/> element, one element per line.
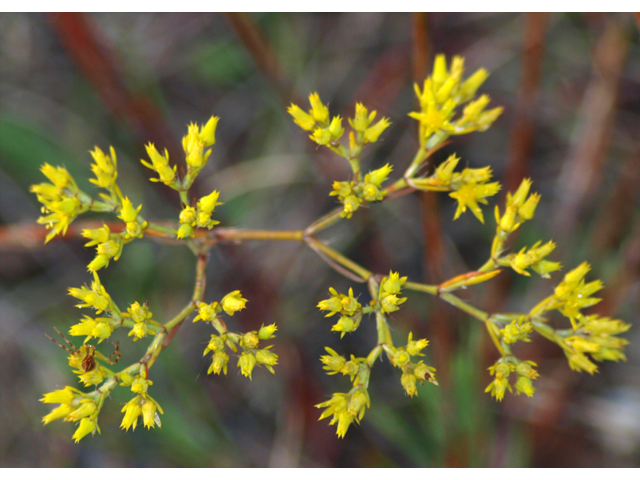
<point x="346" y="407"/>
<point x="140" y="405"/>
<point x="352" y="195"/>
<point x="517" y="330"/>
<point x="328" y="133"/>
<point x="468" y="187"/>
<point x="442" y="93"/>
<point x="75" y="406"/>
<point x="194" y="144"/>
<point x="388" y="299"/>
<point x="96" y="297"/>
<point x="521" y="207"/>
<point x="200" y="216"/>
<point x="596" y="336"/>
<point x="249" y="342"/>
<point x="502" y="370"/>
<point x="347" y="306"/>
<point x="141" y="316"/>
<point x="61" y="200"/>
<point x="411" y="372"/>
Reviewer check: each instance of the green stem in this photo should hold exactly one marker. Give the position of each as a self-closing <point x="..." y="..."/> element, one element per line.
<point x="494" y="336"/>
<point x="340" y="259"/>
<point x="422" y="287"/>
<point x="324" y="222"/>
<point x="418" y="159"/>
<point x="166" y="231"/>
<point x="464" y="306"/>
<point x="198" y="293"/>
<point x="222" y="234"/>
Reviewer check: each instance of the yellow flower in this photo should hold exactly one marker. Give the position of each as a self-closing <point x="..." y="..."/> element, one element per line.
<point x="233" y="302"/>
<point x="362" y="118"/>
<point x="160" y="164"/>
<point x="372" y="134"/>
<point x="415" y="347"/>
<point x="208" y="132"/>
<point x="267" y="333"/>
<point x="246" y="362"/>
<point x="86" y="409"/>
<point x="206" y="311"/>
<point x="140" y="385"/>
<point x="105" y="168"/>
<point x="128" y="214"/>
<point x="132" y="411"/>
<point x="87" y="426"/>
<point x="208" y="203"/>
<point x="468" y="195"/>
<point x="219" y="363"/>
<point x="267" y="358"/>
<point x="302" y="118"/>
<point x="150" y="409"/>
<point x="58" y="412"/>
<point x="333" y="362"/>
<point x="319" y="111"/>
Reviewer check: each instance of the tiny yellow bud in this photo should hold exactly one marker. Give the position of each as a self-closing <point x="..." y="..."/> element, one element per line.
<point x="127" y="212"/>
<point x="372" y="134"/>
<point x="302" y="118"/>
<point x="319" y="111"/>
<point x="208" y="203"/>
<point x="185" y="231"/>
<point x="321" y="136"/>
<point x="335" y="128"/>
<point x="208" y="132"/>
<point x="266" y="333"/>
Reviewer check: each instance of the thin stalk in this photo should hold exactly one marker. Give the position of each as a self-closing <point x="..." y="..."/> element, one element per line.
<point x="324" y="222"/>
<point x="340" y="259"/>
<point x="464" y="306"/>
<point x="421" y="287"/>
<point x="241" y="235"/>
<point x="160" y="231"/>
<point x="494" y="336"/>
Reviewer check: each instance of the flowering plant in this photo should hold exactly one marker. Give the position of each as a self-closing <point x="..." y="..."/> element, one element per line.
<point x="448" y="106"/>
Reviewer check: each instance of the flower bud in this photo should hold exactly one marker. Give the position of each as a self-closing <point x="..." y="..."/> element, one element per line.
<point x="319" y="111"/>
<point x="185" y="231"/>
<point x="188" y="215"/>
<point x="208" y="132"/>
<point x="266" y="333"/>
<point x="302" y="118"/>
<point x="335" y="128"/>
<point x="321" y="136"/>
<point x="208" y="203"/>
<point x="372" y="134"/>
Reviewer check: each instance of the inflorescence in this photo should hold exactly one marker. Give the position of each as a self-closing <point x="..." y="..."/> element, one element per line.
<point x="448" y="107"/>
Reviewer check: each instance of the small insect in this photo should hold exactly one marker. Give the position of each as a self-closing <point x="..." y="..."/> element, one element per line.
<point x="89" y="361"/>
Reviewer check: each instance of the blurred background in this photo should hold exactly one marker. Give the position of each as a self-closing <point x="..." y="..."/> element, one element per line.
<point x="570" y="87"/>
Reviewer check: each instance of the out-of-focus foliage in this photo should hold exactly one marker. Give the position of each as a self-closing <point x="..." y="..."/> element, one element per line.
<point x="154" y="74"/>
